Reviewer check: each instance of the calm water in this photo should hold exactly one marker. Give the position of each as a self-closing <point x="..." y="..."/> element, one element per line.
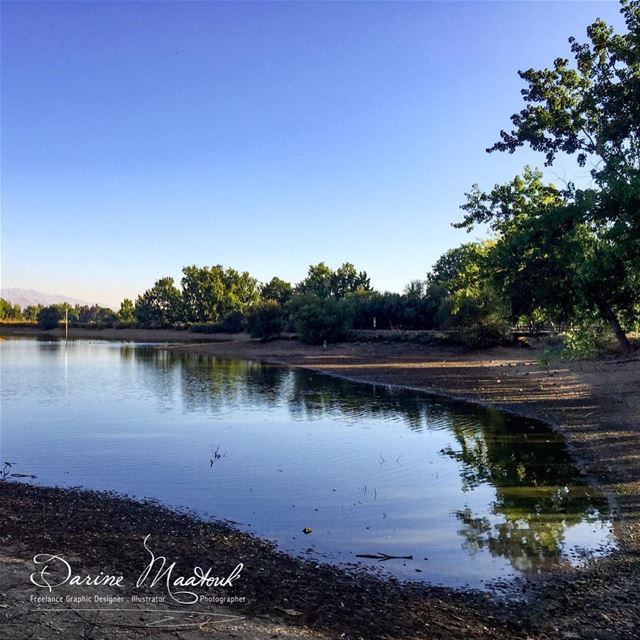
<point x="474" y="495"/>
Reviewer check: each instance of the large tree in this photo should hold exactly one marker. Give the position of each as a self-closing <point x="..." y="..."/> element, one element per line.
<point x="591" y="109"/>
<point x="547" y="257"/>
<point x="278" y="290"/>
<point x="210" y="293"/>
<point x="160" y="306"/>
<point x="460" y="287"/>
<point x="324" y="282"/>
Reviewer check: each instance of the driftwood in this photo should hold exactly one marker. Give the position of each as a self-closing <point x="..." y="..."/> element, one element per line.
<point x="382" y="557"/>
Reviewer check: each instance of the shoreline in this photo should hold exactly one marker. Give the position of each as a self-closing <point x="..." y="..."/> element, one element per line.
<point x="580" y="400"/>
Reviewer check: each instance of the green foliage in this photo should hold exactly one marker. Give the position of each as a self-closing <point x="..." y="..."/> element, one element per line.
<point x="210" y="293"/>
<point x="48" y="317"/>
<point x="9" y="311"/>
<point x="486" y="332"/>
<point x="265" y="319"/>
<point x="460" y="288"/>
<point x="323" y="282"/>
<point x="411" y="310"/>
<point x="549" y="256"/>
<point x="160" y="306"/>
<point x="278" y="290"/>
<point x="317" y="320"/>
<point x="585" y="338"/>
<point x="31" y="312"/>
<point x="94" y="314"/>
<point x="233" y="322"/>
<point x="205" y="327"/>
<point x="127" y="311"/>
<point x="588" y="109"/>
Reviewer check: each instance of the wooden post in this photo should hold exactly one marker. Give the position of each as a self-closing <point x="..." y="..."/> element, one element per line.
<point x="66" y="323"/>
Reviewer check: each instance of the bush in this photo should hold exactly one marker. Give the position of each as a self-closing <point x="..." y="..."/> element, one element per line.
<point x="48" y="318"/>
<point x="317" y="320"/>
<point x="233" y="322"/>
<point x="265" y="319"/>
<point x="487" y="332"/>
<point x="585" y="339"/>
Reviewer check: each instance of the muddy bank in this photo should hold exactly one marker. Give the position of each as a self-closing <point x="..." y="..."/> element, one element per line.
<point x="103" y="532"/>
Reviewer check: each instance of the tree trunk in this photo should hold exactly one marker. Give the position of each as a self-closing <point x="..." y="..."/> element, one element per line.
<point x="610" y="317"/>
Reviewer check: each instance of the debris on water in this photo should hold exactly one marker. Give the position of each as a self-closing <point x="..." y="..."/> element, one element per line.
<point x="6" y="473"/>
<point x="382" y="557"/>
<point x="216" y="456"/>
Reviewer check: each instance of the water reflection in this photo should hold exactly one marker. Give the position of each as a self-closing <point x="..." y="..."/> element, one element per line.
<point x="472" y="494"/>
<point x="539" y="492"/>
<point x="214" y="383"/>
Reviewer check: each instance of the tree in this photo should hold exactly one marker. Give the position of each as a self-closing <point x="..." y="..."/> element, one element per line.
<point x="548" y="256"/>
<point x="590" y="110"/>
<point x="202" y="291"/>
<point x="318" y="281"/>
<point x="265" y="319"/>
<point x="211" y="293"/>
<point x="9" y="311"/>
<point x="159" y="306"/>
<point x="93" y="314"/>
<point x="460" y="285"/>
<point x="278" y="290"/>
<point x="347" y="280"/>
<point x="319" y="319"/>
<point x="48" y="317"/>
<point x="241" y="291"/>
<point x="126" y="313"/>
<point x="323" y="282"/>
<point x="31" y="311"/>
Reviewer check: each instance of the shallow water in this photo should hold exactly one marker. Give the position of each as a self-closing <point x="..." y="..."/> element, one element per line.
<point x="472" y="494"/>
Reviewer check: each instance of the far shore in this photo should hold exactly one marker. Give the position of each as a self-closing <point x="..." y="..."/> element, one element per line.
<point x="21" y="329"/>
<point x="595" y="404"/>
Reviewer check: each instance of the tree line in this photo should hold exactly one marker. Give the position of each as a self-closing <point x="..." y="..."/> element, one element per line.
<point x="556" y="254"/>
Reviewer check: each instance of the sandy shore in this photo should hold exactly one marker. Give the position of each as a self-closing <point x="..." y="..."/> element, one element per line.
<point x="595" y="404"/>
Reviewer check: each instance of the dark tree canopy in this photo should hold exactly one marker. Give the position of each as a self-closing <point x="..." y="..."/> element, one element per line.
<point x="278" y="290"/>
<point x="323" y="282"/>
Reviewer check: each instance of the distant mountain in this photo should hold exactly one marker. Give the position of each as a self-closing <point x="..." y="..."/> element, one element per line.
<point x="26" y="297"/>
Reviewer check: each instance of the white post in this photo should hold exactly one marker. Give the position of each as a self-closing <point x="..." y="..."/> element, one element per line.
<point x="66" y="322"/>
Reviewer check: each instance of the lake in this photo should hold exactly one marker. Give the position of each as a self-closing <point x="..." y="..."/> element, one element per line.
<point x="474" y="495"/>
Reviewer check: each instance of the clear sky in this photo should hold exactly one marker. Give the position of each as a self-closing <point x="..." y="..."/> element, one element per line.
<point x="139" y="137"/>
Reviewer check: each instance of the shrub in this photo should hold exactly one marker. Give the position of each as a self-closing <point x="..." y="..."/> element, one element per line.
<point x="232" y="323"/>
<point x="484" y="333"/>
<point x="48" y="317"/>
<point x="265" y="319"/>
<point x="317" y="320"/>
<point x="585" y="339"/>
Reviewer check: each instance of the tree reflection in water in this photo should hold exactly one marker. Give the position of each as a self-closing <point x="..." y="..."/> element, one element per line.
<point x="538" y="491"/>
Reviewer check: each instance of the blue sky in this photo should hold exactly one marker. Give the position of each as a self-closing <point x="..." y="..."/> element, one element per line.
<point x="141" y="137"/>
